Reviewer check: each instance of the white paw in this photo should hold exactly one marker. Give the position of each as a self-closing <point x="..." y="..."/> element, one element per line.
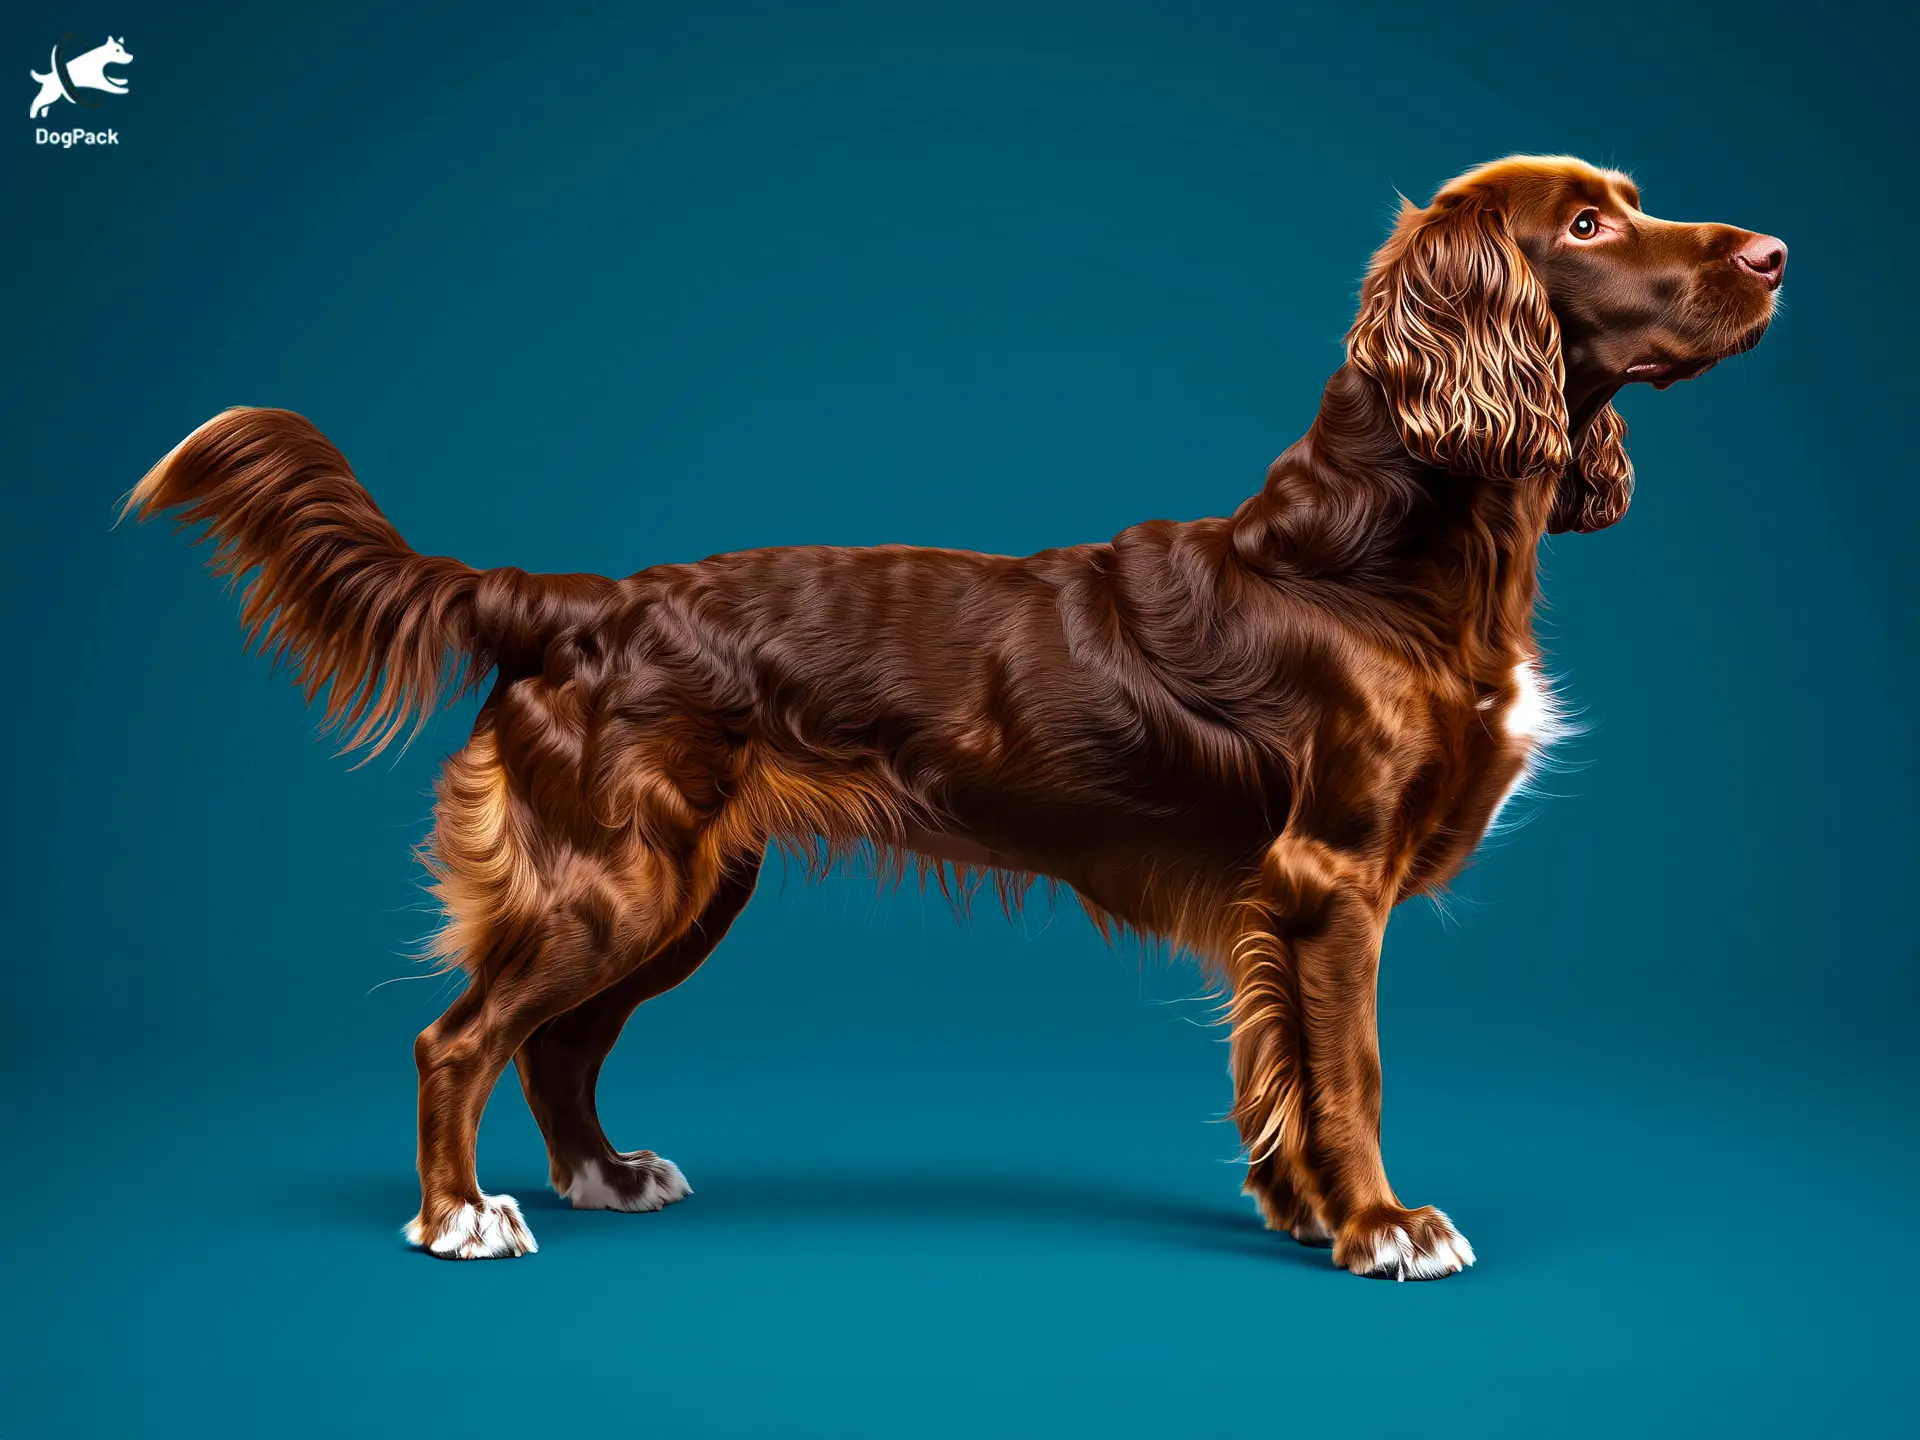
<point x="490" y="1230"/>
<point x="641" y="1181"/>
<point x="1422" y="1245"/>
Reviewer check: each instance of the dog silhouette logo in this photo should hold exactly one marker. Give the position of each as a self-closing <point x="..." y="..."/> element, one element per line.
<point x="86" y="71"/>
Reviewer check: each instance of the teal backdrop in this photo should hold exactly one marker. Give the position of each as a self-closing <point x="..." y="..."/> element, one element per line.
<point x="593" y="287"/>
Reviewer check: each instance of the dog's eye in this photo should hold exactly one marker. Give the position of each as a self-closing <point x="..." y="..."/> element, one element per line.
<point x="1585" y="225"/>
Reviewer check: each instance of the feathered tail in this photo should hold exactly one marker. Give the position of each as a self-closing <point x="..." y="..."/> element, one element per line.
<point x="335" y="592"/>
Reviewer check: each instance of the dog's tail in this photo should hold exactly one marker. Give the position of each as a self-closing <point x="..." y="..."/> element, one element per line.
<point x="334" y="591"/>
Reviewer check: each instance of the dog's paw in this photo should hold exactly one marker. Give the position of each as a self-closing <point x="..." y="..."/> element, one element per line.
<point x="491" y="1230"/>
<point x="639" y="1181"/>
<point x="1291" y="1216"/>
<point x="1309" y="1230"/>
<point x="1385" y="1243"/>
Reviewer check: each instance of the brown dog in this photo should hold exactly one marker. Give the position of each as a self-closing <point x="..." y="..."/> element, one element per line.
<point x="1252" y="735"/>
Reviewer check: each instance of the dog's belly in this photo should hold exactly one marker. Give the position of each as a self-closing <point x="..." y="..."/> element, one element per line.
<point x="954" y="849"/>
<point x="1096" y="862"/>
<point x="1172" y="877"/>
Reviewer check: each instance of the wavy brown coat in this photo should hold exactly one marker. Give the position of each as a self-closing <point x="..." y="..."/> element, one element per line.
<point x="1251" y="735"/>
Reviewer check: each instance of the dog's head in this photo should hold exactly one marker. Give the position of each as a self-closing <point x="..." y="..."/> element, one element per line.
<point x="1501" y="318"/>
<point x="116" y="53"/>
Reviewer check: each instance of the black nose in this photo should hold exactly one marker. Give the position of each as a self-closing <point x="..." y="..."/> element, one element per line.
<point x="1766" y="257"/>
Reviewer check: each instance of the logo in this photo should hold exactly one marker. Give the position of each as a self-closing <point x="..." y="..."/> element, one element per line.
<point x="68" y="78"/>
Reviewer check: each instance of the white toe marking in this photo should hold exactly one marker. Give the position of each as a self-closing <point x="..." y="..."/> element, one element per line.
<point x="1395" y="1256"/>
<point x="1451" y="1254"/>
<point x="491" y="1230"/>
<point x="1392" y="1253"/>
<point x="660" y="1183"/>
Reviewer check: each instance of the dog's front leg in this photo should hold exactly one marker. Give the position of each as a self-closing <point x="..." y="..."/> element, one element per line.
<point x="1306" y="1065"/>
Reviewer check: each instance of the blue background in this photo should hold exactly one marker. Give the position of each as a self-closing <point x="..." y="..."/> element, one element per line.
<point x="595" y="287"/>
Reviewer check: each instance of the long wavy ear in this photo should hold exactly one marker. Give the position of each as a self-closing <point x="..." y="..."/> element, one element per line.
<point x="1598" y="485"/>
<point x="1457" y="331"/>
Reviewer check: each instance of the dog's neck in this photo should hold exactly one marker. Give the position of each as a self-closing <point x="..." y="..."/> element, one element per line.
<point x="1586" y="397"/>
<point x="1451" y="560"/>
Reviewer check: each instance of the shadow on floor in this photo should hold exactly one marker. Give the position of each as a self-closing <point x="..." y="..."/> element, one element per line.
<point x="909" y="1195"/>
<point x="860" y="1194"/>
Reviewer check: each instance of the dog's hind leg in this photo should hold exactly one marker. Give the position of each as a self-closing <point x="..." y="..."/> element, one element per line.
<point x="560" y="1064"/>
<point x="536" y="945"/>
<point x="527" y="972"/>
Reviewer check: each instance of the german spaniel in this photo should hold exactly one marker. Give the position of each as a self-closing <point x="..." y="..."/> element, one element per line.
<point x="1251" y="736"/>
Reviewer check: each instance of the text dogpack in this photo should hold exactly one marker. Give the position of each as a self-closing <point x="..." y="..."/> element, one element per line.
<point x="67" y="139"/>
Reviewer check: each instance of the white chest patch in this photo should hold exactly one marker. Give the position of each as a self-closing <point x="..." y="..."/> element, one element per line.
<point x="1536" y="717"/>
<point x="1533" y="715"/>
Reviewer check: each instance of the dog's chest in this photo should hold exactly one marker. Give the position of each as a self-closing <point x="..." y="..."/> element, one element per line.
<point x="1498" y="749"/>
<point x="1528" y="719"/>
<point x="1531" y="715"/>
